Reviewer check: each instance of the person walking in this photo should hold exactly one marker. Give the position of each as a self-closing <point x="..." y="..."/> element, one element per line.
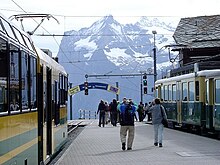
<point x="149" y="116"/>
<point x="113" y="112"/>
<point x="127" y="129"/>
<point x="158" y="112"/>
<point x="101" y="110"/>
<point x="140" y="111"/>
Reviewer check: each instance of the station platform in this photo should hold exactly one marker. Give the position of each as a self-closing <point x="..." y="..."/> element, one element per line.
<point x="101" y="146"/>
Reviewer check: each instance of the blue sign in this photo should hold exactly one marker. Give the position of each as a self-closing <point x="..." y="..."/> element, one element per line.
<point x="94" y="85"/>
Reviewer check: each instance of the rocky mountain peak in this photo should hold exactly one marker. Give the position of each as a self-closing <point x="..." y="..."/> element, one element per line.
<point x="109" y="47"/>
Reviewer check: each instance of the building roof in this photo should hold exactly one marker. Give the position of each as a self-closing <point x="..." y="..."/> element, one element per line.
<point x="198" y="32"/>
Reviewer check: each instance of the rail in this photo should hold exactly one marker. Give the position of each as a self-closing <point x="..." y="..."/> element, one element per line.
<point x="72" y="126"/>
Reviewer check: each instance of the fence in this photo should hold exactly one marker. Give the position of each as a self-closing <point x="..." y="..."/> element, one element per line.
<point x="87" y="114"/>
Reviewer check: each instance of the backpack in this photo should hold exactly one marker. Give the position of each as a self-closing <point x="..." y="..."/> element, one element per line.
<point x="127" y="117"/>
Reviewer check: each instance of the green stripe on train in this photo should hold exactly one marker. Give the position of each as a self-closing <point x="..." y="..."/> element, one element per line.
<point x="16" y="141"/>
<point x="30" y="156"/>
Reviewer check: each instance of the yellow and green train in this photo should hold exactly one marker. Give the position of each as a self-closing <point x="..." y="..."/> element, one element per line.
<point x="192" y="101"/>
<point x="33" y="100"/>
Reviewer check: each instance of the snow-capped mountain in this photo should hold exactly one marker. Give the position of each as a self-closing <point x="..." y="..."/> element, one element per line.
<point x="108" y="47"/>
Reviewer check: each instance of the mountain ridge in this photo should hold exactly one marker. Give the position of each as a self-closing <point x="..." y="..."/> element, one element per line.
<point x="108" y="47"/>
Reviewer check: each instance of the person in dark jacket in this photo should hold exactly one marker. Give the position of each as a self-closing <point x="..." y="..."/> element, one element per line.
<point x="113" y="112"/>
<point x="158" y="112"/>
<point x="101" y="111"/>
<point x="127" y="111"/>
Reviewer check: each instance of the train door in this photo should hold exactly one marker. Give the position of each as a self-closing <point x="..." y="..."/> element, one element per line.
<point x="40" y="108"/>
<point x="49" y="111"/>
<point x="217" y="105"/>
<point x="209" y="103"/>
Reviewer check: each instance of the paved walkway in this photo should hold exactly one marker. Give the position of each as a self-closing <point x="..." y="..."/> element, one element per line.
<point x="101" y="146"/>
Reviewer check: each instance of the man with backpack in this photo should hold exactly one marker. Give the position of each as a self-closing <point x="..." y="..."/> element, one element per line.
<point x="127" y="111"/>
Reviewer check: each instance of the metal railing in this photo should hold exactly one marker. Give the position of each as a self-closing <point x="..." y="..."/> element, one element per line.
<point x="87" y="114"/>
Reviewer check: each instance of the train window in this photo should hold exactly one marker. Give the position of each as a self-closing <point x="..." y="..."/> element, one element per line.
<point x="169" y="92"/>
<point x="8" y="29"/>
<point x="33" y="81"/>
<point x="165" y="93"/>
<point x="57" y="105"/>
<point x="14" y="80"/>
<point x="197" y="90"/>
<point x="157" y="92"/>
<point x="1" y="29"/>
<point x="25" y="81"/>
<point x="66" y="88"/>
<point x="45" y="101"/>
<point x="178" y="91"/>
<point x="61" y="81"/>
<point x="191" y="91"/>
<point x="174" y="92"/>
<point x="3" y="107"/>
<point x="207" y="92"/>
<point x="162" y="92"/>
<point x="184" y="91"/>
<point x="27" y="41"/>
<point x="3" y="59"/>
<point x="19" y="37"/>
<point x="217" y="91"/>
<point x="3" y="77"/>
<point x="56" y="92"/>
<point x="62" y="91"/>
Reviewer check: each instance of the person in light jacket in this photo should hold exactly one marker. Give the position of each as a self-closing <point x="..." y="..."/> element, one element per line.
<point x="157" y="117"/>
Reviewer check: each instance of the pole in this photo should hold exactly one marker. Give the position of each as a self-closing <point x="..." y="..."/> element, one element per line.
<point x="155" y="58"/>
<point x="155" y="66"/>
<point x="117" y="97"/>
<point x="71" y="106"/>
<point x="141" y="89"/>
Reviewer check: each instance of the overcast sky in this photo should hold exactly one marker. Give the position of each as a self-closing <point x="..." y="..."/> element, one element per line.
<point x="73" y="14"/>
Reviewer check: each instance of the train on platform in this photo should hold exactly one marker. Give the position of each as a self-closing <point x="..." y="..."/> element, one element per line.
<point x="33" y="100"/>
<point x="192" y="101"/>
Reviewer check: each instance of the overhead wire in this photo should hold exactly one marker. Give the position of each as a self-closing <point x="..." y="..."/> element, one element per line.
<point x="53" y="35"/>
<point x="50" y="34"/>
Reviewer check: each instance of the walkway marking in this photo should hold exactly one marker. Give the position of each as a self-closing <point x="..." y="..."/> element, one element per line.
<point x="198" y="154"/>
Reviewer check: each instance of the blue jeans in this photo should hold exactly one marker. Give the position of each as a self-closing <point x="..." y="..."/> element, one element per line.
<point x="158" y="133"/>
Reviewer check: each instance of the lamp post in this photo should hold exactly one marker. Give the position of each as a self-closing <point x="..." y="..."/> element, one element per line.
<point x="155" y="58"/>
<point x="71" y="104"/>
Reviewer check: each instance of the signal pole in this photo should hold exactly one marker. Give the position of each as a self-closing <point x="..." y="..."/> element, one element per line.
<point x="71" y="104"/>
<point x="141" y="89"/>
<point x="155" y="58"/>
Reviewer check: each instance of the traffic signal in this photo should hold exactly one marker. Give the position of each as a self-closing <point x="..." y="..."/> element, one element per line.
<point x="145" y="90"/>
<point x="86" y="86"/>
<point x="144" y="76"/>
<point x="145" y="82"/>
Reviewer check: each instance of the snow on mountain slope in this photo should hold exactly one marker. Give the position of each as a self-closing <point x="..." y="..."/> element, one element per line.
<point x="108" y="47"/>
